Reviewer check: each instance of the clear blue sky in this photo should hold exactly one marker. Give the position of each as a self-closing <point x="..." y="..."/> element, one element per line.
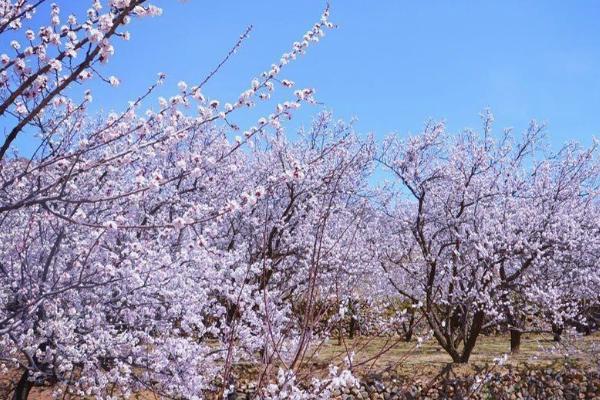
<point x="391" y="64"/>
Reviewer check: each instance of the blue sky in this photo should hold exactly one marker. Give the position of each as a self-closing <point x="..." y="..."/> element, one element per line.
<point x="391" y="64"/>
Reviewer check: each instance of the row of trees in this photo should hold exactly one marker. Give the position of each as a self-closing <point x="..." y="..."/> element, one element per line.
<point x="495" y="230"/>
<point x="154" y="251"/>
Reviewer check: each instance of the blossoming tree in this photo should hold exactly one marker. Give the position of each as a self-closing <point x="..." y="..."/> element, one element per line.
<point x="156" y="249"/>
<point x="133" y="250"/>
<point x="485" y="218"/>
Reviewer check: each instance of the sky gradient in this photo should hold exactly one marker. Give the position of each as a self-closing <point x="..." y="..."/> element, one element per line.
<point x="390" y="64"/>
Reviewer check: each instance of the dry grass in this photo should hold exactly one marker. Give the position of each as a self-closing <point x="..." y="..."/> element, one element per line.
<point x="407" y="359"/>
<point x="410" y="360"/>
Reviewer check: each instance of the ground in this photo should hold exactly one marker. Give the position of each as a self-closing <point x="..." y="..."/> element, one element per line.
<point x="411" y="360"/>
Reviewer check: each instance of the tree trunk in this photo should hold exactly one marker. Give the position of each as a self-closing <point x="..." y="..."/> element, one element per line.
<point x="443" y="340"/>
<point x="408" y="334"/>
<point x="409" y="326"/>
<point x="352" y="327"/>
<point x="515" y="341"/>
<point x="353" y="320"/>
<point x="556" y="332"/>
<point x="23" y="387"/>
<point x="472" y="338"/>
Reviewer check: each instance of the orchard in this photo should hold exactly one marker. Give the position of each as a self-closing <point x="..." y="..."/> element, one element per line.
<point x="158" y="248"/>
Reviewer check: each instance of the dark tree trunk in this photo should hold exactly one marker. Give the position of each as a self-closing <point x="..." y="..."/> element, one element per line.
<point x="408" y="334"/>
<point x="446" y="344"/>
<point x="556" y="332"/>
<point x="515" y="325"/>
<point x="353" y="321"/>
<point x="352" y="327"/>
<point x="470" y="341"/>
<point x="515" y="341"/>
<point x="23" y="387"/>
<point x="409" y="326"/>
